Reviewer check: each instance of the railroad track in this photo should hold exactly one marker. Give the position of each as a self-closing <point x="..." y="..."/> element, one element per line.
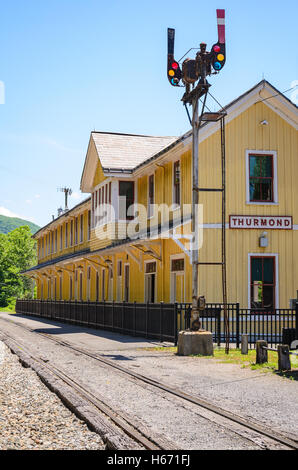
<point x="122" y="422"/>
<point x="147" y="441"/>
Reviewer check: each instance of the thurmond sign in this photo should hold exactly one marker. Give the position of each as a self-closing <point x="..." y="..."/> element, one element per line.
<point x="261" y="222"/>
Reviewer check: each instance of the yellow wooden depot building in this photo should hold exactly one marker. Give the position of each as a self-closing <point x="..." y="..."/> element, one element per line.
<point x="103" y="249"/>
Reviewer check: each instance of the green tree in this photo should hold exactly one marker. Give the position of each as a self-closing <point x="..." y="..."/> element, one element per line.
<point x="17" y="253"/>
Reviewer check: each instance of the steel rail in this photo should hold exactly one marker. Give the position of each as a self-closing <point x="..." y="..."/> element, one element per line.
<point x="258" y="428"/>
<point x="148" y="442"/>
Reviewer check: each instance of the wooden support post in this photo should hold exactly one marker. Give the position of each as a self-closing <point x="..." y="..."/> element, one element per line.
<point x="244" y="344"/>
<point x="284" y="362"/>
<point x="261" y="353"/>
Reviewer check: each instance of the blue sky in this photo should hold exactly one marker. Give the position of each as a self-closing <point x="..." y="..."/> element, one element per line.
<point x="72" y="66"/>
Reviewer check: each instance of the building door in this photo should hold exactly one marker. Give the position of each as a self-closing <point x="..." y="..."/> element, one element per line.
<point x="81" y="286"/>
<point x="150" y="282"/>
<point x="88" y="283"/>
<point x="262" y="282"/>
<point x="97" y="287"/>
<point x="110" y="284"/>
<point x="126" y="283"/>
<point x="119" y="281"/>
<point x="103" y="284"/>
<point x="177" y="280"/>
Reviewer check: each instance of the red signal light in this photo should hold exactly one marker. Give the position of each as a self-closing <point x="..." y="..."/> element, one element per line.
<point x="175" y="66"/>
<point x="216" y="49"/>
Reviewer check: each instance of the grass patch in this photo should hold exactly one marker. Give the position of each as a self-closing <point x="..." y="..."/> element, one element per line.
<point x="243" y="360"/>
<point x="8" y="309"/>
<point x="234" y="357"/>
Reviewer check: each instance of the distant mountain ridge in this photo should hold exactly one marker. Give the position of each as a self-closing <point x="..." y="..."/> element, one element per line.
<point x="7" y="224"/>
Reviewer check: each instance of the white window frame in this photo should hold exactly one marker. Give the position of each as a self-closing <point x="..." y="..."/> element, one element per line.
<point x="178" y="206"/>
<point x="103" y="284"/>
<point x="263" y="255"/>
<point x="149" y="274"/>
<point x="150" y="212"/>
<point x="82" y="227"/>
<point x="173" y="257"/>
<point x="275" y="177"/>
<point x="119" y="285"/>
<point x="124" y="281"/>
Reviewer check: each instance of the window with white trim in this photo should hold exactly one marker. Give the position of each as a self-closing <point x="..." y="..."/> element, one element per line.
<point x="261" y="177"/>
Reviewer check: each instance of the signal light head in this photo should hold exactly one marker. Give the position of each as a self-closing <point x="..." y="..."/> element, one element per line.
<point x="217" y="66"/>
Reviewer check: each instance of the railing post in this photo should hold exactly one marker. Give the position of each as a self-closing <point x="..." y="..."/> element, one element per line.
<point x="113" y="314"/>
<point x="237" y="325"/>
<point x="284" y="362"/>
<point x="261" y="352"/>
<point x="160" y="322"/>
<point x="219" y="327"/>
<point x="147" y="311"/>
<point x="244" y="344"/>
<point x="175" y="324"/>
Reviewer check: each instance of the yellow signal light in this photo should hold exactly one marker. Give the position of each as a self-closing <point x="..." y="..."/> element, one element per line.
<point x="220" y="57"/>
<point x="171" y="73"/>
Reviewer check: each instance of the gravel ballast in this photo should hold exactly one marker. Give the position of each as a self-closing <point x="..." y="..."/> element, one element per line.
<point x="32" y="417"/>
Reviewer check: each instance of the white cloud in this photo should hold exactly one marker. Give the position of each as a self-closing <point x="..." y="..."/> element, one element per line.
<point x="76" y="195"/>
<point x="8" y="213"/>
<point x="37" y="196"/>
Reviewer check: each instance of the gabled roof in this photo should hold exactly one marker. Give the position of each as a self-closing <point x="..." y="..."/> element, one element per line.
<point x="126" y="151"/>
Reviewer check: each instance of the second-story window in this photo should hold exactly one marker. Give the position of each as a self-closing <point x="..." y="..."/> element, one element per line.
<point x="71" y="232"/>
<point x="82" y="228"/>
<point x="150" y="195"/>
<point x="61" y="238"/>
<point x="66" y="235"/>
<point x="126" y="199"/>
<point x="76" y="231"/>
<point x="261" y="178"/>
<point x="176" y="182"/>
<point x="89" y="225"/>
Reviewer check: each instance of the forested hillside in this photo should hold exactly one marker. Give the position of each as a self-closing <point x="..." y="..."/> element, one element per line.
<point x="7" y="224"/>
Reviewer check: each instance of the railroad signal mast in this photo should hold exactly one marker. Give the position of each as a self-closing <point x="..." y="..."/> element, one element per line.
<point x="67" y="192"/>
<point x="193" y="74"/>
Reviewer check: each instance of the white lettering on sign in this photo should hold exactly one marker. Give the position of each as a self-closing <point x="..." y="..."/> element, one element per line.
<point x="261" y="222"/>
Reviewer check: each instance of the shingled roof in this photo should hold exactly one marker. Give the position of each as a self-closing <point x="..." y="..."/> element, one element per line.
<point x="126" y="151"/>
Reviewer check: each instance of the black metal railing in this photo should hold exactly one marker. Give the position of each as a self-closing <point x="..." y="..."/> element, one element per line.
<point x="155" y="321"/>
<point x="266" y="324"/>
<point x="163" y="321"/>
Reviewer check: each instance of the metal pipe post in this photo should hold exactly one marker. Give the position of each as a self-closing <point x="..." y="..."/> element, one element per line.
<point x="195" y="321"/>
